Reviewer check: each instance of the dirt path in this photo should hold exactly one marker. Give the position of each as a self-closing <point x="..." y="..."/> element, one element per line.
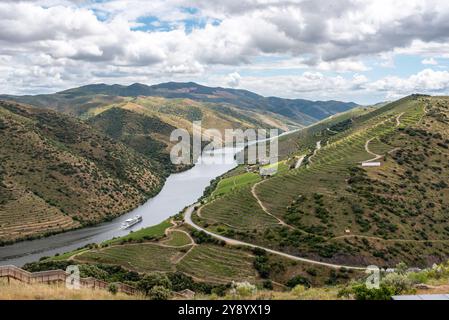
<point x="173" y="229"/>
<point x="398" y="119"/>
<point x="376" y="156"/>
<point x="253" y="192"/>
<point x="379" y="156"/>
<point x="318" y="147"/>
<point x="385" y="240"/>
<point x="299" y="162"/>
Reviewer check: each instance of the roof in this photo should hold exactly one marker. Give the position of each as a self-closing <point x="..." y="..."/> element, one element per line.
<point x="422" y="297"/>
<point x="371" y="164"/>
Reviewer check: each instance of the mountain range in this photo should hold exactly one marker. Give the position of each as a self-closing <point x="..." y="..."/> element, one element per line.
<point x="232" y="103"/>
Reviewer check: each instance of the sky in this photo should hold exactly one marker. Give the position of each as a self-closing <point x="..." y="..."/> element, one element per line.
<point x="364" y="51"/>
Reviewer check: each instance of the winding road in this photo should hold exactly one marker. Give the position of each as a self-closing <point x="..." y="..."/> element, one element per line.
<point x="188" y="219"/>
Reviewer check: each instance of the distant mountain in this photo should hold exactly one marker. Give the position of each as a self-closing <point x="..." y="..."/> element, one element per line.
<point x="290" y="112"/>
<point x="58" y="173"/>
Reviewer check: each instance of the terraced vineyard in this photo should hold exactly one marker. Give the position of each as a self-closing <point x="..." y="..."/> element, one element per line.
<point x="21" y="224"/>
<point x="57" y="173"/>
<point x="146" y="257"/>
<point x="218" y="264"/>
<point x="178" y="239"/>
<point x="336" y="210"/>
<point x="233" y="183"/>
<point x="237" y="211"/>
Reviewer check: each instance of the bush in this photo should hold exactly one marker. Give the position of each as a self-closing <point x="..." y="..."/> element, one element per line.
<point x="152" y="280"/>
<point x="361" y="292"/>
<point x="399" y="283"/>
<point x="243" y="289"/>
<point x="298" y="290"/>
<point x="298" y="280"/>
<point x="113" y="288"/>
<point x="180" y="281"/>
<point x="262" y="266"/>
<point x="267" y="284"/>
<point x="203" y="237"/>
<point x="159" y="293"/>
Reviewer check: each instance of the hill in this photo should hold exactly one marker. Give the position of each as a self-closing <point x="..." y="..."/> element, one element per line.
<point x="333" y="209"/>
<point x="145" y="134"/>
<point x="242" y="107"/>
<point x="57" y="173"/>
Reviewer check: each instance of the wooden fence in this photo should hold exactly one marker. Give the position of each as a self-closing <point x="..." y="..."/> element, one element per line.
<point x="59" y="276"/>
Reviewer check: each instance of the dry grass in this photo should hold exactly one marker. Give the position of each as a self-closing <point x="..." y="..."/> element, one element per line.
<point x="20" y="291"/>
<point x="298" y="293"/>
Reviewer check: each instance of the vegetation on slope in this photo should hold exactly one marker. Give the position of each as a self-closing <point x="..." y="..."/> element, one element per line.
<point x="338" y="211"/>
<point x="190" y="260"/>
<point x="57" y="174"/>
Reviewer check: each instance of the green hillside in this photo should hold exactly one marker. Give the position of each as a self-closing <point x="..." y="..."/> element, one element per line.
<point x="145" y="134"/>
<point x="177" y="103"/>
<point x="57" y="173"/>
<point x="333" y="209"/>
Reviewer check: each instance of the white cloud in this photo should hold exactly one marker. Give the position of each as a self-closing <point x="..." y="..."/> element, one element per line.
<point x="61" y="43"/>
<point x="313" y="85"/>
<point x="425" y="81"/>
<point x="430" y="61"/>
<point x="233" y="79"/>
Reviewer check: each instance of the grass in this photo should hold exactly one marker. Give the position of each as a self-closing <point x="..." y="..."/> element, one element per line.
<point x="145" y="257"/>
<point x="66" y="256"/>
<point x="151" y="233"/>
<point x="233" y="183"/>
<point x="298" y="293"/>
<point x="177" y="239"/>
<point x="237" y="210"/>
<point x="21" y="291"/>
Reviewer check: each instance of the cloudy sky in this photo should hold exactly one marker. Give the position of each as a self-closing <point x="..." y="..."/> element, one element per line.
<point x="353" y="50"/>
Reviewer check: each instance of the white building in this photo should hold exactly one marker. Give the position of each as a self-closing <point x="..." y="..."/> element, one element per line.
<point x="370" y="164"/>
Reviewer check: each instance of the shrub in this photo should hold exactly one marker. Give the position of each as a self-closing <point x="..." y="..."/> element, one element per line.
<point x="398" y="283"/>
<point x="267" y="284"/>
<point x="298" y="290"/>
<point x="362" y="292"/>
<point x="159" y="293"/>
<point x="152" y="280"/>
<point x="180" y="281"/>
<point x="112" y="288"/>
<point x="298" y="280"/>
<point x="243" y="289"/>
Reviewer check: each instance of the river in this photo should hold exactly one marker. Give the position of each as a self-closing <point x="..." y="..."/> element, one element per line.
<point x="179" y="191"/>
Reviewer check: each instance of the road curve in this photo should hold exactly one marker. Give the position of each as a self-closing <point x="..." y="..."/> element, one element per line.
<point x="188" y="219"/>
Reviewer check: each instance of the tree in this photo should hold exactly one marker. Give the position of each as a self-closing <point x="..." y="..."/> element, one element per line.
<point x="152" y="280"/>
<point x="180" y="281"/>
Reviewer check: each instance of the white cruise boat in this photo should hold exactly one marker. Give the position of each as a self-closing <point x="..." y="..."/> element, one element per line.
<point x="130" y="222"/>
